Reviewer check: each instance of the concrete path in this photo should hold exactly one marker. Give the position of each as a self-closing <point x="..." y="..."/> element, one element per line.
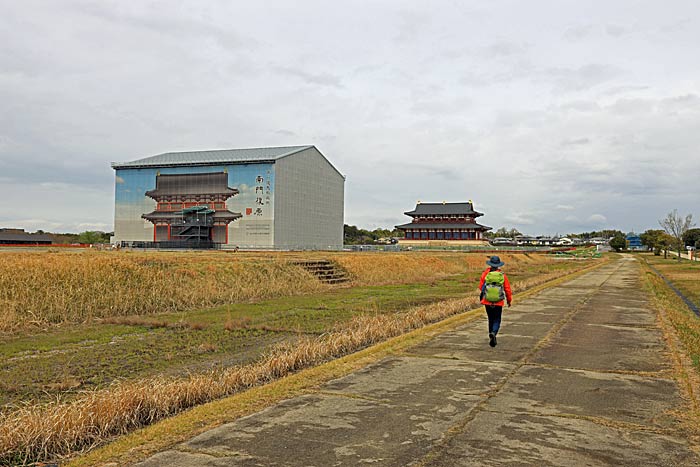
<point x="580" y="377"/>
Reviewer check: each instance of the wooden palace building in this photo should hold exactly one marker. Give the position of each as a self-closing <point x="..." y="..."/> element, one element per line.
<point x="439" y="223"/>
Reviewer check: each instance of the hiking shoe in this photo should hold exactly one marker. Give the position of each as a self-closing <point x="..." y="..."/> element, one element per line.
<point x="492" y="339"/>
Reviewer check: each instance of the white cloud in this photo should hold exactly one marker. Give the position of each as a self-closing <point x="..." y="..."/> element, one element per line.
<point x="597" y="219"/>
<point x="578" y="32"/>
<point x="583" y="77"/>
<point x="320" y="79"/>
<point x="520" y="219"/>
<point x="576" y="142"/>
<point x="615" y="30"/>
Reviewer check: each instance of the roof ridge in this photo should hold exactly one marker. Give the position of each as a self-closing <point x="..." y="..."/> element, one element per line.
<point x="232" y="149"/>
<point x="216" y="156"/>
<point x="447" y="202"/>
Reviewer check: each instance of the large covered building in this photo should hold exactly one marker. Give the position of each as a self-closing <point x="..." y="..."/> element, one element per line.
<point x="443" y="223"/>
<point x="282" y="197"/>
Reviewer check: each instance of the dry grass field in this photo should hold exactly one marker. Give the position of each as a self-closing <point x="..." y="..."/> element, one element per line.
<point x="44" y="288"/>
<point x="680" y="322"/>
<point x="47" y="288"/>
<point x="99" y="343"/>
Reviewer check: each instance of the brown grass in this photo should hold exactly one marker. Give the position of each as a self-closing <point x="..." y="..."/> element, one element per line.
<point x="41" y="289"/>
<point x="59" y="428"/>
<point x="66" y="384"/>
<point x="197" y="326"/>
<point x="237" y="323"/>
<point x="382" y="268"/>
<point x="207" y="347"/>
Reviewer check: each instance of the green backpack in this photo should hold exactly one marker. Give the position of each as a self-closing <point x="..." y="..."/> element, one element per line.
<point x="493" y="287"/>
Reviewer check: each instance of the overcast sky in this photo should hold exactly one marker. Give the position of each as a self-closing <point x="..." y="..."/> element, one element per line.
<point x="552" y="116"/>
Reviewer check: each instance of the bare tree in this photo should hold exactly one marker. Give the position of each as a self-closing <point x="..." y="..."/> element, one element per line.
<point x="676" y="226"/>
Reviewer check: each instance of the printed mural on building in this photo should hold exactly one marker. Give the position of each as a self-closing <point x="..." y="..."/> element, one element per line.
<point x="231" y="204"/>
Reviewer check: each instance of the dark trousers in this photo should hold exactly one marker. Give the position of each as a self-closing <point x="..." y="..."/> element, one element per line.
<point x="494" y="314"/>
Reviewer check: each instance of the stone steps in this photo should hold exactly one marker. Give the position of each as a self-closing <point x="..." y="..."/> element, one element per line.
<point x="325" y="270"/>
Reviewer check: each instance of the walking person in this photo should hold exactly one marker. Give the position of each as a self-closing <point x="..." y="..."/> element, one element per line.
<point x="495" y="290"/>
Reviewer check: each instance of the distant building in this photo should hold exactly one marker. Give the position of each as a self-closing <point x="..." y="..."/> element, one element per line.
<point x="442" y="223"/>
<point x="544" y="240"/>
<point x="634" y="241"/>
<point x="278" y="197"/>
<point x="502" y="241"/>
<point x="20" y="237"/>
<point x="525" y="240"/>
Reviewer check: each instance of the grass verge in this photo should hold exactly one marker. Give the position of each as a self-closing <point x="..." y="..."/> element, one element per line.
<point x="682" y="333"/>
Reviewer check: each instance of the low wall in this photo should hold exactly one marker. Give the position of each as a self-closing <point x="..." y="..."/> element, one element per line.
<point x="443" y="242"/>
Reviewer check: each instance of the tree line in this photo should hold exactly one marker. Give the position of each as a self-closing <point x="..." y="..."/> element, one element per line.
<point x="677" y="233"/>
<point x="356" y="236"/>
<point x="87" y="237"/>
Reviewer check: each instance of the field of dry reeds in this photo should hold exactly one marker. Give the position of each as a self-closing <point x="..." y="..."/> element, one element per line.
<point x="57" y="428"/>
<point x="39" y="289"/>
<point x="45" y="288"/>
<point x="382" y="268"/>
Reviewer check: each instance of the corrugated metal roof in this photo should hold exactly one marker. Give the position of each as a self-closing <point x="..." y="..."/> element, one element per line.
<point x="222" y="156"/>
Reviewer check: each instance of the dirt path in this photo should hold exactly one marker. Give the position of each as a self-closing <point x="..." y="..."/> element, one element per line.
<point x="581" y="376"/>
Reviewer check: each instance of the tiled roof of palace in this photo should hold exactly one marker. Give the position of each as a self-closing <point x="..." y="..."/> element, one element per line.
<point x="213" y="183"/>
<point x="423" y="209"/>
<point x="11" y="237"/>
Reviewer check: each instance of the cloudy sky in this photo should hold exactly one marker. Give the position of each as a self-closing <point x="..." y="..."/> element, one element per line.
<point x="552" y="116"/>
